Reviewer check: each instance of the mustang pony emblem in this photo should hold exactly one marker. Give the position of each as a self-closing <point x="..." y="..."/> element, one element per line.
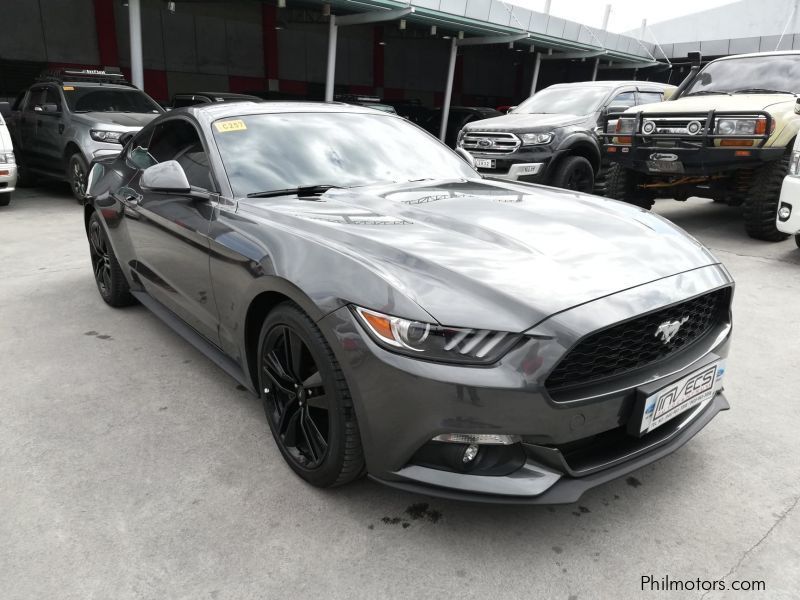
<point x="669" y="329"/>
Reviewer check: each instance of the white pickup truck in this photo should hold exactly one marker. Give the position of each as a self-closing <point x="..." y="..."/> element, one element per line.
<point x="788" y="219"/>
<point x="8" y="165"/>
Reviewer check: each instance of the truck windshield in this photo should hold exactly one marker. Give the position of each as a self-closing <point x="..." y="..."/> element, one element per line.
<point x="265" y="153"/>
<point x="775" y="73"/>
<point x="563" y="101"/>
<point x="99" y="99"/>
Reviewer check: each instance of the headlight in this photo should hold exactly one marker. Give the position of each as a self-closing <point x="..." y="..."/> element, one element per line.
<point x="460" y="139"/>
<point x="794" y="164"/>
<point x="756" y="126"/>
<point x="7" y="157"/>
<point x="625" y="126"/>
<point x="434" y="342"/>
<point x="111" y="137"/>
<point x="532" y="139"/>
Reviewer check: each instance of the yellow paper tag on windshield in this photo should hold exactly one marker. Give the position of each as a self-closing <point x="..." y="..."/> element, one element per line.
<point x="69" y="88"/>
<point x="225" y="126"/>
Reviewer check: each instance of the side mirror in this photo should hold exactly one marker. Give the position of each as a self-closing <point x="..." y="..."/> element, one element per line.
<point x="167" y="177"/>
<point x="125" y="137"/>
<point x="50" y="108"/>
<point x="615" y="109"/>
<point x="468" y="158"/>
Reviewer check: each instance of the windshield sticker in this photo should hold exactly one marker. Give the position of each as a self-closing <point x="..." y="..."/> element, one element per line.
<point x="225" y="126"/>
<point x="69" y="88"/>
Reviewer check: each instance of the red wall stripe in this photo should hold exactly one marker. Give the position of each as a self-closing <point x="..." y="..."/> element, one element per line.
<point x="269" y="20"/>
<point x="105" y="24"/>
<point x="240" y="84"/>
<point x="293" y="87"/>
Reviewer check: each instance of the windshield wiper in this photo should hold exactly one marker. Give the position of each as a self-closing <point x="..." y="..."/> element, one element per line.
<point x="762" y="91"/>
<point x="305" y="190"/>
<point x="706" y="92"/>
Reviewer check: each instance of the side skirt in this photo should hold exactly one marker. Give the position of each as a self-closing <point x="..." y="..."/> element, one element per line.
<point x="200" y="343"/>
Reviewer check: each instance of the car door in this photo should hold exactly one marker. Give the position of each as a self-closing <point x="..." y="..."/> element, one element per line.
<point x="49" y="130"/>
<point x="169" y="232"/>
<point x="29" y="115"/>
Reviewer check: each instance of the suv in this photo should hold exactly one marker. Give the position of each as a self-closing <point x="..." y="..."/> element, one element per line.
<point x="69" y="118"/>
<point x="552" y="137"/>
<point x="726" y="135"/>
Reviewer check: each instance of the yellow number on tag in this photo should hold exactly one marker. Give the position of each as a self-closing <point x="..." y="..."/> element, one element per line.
<point x="225" y="126"/>
<point x="69" y="88"/>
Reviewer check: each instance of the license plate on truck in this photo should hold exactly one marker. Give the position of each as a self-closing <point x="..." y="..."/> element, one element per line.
<point x="665" y="166"/>
<point x="680" y="396"/>
<point x="484" y="163"/>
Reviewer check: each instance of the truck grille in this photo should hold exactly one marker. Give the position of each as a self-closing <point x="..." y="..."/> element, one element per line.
<point x="490" y="142"/>
<point x="636" y="343"/>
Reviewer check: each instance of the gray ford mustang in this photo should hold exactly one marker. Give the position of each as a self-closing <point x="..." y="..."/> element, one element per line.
<point x="401" y="316"/>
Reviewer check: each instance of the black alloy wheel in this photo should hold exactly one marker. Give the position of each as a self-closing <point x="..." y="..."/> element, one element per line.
<point x="77" y="173"/>
<point x="111" y="282"/>
<point x="306" y="400"/>
<point x="297" y="403"/>
<point x="574" y="173"/>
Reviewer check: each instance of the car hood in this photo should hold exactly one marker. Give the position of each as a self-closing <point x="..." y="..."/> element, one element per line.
<point x="486" y="254"/>
<point x="126" y="120"/>
<point x="703" y="104"/>
<point x="516" y="122"/>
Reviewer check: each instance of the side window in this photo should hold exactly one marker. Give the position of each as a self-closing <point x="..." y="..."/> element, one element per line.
<point x="34" y="98"/>
<point x="139" y="154"/>
<point x="178" y="140"/>
<point x="650" y="97"/>
<point x="624" y="99"/>
<point x="51" y="96"/>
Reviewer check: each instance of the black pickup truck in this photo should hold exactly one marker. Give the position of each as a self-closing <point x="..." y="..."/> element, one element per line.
<point x="552" y="137"/>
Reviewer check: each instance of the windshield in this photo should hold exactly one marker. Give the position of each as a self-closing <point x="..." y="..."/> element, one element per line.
<point x="776" y="73"/>
<point x="99" y="99"/>
<point x="283" y="151"/>
<point x="563" y="101"/>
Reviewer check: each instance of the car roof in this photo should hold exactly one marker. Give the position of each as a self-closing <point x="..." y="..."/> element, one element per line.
<point x="612" y="84"/>
<point x="223" y="110"/>
<point x="226" y="95"/>
<point x="754" y="54"/>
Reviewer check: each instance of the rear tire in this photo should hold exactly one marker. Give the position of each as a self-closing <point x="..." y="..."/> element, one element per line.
<point x="306" y="400"/>
<point x="623" y="184"/>
<point x="574" y="173"/>
<point x="108" y="275"/>
<point x="5" y="199"/>
<point x="77" y="173"/>
<point x="760" y="208"/>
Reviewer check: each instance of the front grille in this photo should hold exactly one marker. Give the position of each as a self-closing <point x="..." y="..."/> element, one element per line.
<point x="490" y="142"/>
<point x="636" y="343"/>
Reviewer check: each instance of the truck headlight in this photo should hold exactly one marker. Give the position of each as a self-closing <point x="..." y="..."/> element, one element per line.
<point x="110" y="137"/>
<point x="794" y="164"/>
<point x="624" y="126"/>
<point x="535" y="139"/>
<point x="435" y="342"/>
<point x="7" y="158"/>
<point x="756" y="126"/>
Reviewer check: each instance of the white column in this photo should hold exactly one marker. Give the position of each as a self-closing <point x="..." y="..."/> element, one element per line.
<point x="448" y="91"/>
<point x="536" y="66"/>
<point x="331" y="74"/>
<point x="135" y="26"/>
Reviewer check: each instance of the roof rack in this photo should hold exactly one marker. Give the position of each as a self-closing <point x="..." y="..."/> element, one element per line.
<point x="357" y="98"/>
<point x="105" y="75"/>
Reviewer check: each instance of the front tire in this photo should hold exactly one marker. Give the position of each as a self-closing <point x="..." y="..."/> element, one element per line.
<point x="77" y="173"/>
<point x="5" y="199"/>
<point x="108" y="275"/>
<point x="307" y="401"/>
<point x="760" y="208"/>
<point x="623" y="184"/>
<point x="574" y="173"/>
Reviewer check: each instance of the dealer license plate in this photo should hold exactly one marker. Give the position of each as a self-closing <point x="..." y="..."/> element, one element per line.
<point x="680" y="396"/>
<point x="484" y="163"/>
<point x="665" y="166"/>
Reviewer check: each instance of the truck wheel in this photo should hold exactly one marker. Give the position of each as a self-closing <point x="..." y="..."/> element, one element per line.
<point x="574" y="173"/>
<point x="760" y="208"/>
<point x="77" y="172"/>
<point x="622" y="184"/>
<point x="5" y="199"/>
<point x="797" y="240"/>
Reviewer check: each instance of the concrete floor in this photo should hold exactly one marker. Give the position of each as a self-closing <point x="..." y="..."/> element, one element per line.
<point x="131" y="467"/>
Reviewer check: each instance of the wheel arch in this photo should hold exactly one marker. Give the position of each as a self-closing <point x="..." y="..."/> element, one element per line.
<point x="578" y="146"/>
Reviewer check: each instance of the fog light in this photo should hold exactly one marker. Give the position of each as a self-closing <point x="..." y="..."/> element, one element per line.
<point x="470" y="453"/>
<point x="478" y="438"/>
<point x="784" y="212"/>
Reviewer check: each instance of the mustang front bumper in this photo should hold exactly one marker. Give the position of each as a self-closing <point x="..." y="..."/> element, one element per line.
<point x="402" y="403"/>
